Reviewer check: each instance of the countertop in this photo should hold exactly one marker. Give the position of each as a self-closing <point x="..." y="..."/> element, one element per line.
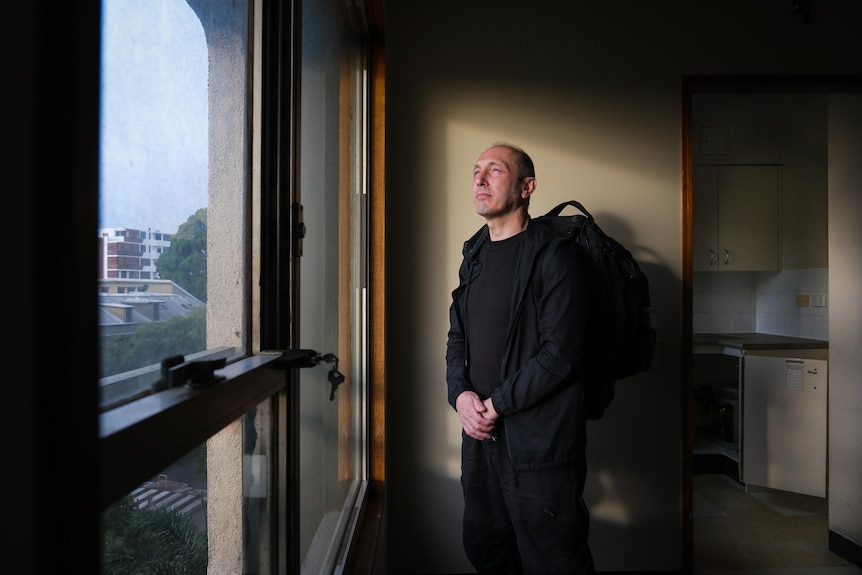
<point x="756" y="341"/>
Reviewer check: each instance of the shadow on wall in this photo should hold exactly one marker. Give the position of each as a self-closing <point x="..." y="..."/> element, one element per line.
<point x="634" y="478"/>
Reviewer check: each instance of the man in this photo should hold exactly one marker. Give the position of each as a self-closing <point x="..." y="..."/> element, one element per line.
<point x="514" y="361"/>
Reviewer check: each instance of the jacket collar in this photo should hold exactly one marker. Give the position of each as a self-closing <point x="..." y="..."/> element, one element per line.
<point x="536" y="237"/>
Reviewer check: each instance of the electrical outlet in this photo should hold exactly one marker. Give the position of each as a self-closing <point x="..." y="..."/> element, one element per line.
<point x="818" y="300"/>
<point x="802" y="300"/>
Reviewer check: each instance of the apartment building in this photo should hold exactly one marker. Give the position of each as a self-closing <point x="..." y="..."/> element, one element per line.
<point x="126" y="253"/>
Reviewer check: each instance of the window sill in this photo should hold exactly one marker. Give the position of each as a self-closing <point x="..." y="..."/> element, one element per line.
<point x="360" y="560"/>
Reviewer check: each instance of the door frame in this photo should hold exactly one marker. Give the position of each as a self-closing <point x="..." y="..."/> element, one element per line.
<point x="700" y="84"/>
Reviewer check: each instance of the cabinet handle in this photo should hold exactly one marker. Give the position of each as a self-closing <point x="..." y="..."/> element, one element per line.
<point x="726" y="256"/>
<point x="711" y="257"/>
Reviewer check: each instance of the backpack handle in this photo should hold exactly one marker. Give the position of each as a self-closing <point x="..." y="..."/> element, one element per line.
<point x="556" y="211"/>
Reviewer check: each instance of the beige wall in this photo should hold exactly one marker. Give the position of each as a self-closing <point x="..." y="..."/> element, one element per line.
<point x="592" y="92"/>
<point x="845" y="312"/>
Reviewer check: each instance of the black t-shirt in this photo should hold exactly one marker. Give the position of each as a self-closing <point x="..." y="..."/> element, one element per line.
<point x="489" y="305"/>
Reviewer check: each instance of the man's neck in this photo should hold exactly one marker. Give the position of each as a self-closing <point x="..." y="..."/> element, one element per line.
<point x="503" y="227"/>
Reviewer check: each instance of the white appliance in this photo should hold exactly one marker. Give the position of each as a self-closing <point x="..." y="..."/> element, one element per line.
<point x="784" y="431"/>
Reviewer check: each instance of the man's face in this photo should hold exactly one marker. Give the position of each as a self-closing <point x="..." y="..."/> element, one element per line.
<point x="496" y="190"/>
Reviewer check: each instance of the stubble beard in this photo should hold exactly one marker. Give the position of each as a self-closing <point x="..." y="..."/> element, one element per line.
<point x="481" y="205"/>
<point x="484" y="207"/>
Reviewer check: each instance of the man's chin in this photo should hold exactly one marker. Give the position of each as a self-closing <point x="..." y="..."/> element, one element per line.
<point x="481" y="207"/>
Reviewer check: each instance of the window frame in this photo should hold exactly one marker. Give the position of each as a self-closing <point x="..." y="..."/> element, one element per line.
<point x="177" y="420"/>
<point x="162" y="427"/>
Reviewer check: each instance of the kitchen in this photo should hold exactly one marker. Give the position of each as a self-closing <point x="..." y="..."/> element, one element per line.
<point x="760" y="291"/>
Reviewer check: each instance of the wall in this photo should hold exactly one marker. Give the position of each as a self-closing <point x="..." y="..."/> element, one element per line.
<point x="760" y="301"/>
<point x="845" y="312"/>
<point x="592" y="92"/>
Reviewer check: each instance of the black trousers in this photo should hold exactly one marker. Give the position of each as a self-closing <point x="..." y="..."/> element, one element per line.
<point x="525" y="522"/>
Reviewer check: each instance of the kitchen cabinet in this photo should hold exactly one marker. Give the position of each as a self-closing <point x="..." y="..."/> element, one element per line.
<point x="804" y="214"/>
<point x="715" y="412"/>
<point x="779" y="428"/>
<point x="735" y="218"/>
<point x="784" y="423"/>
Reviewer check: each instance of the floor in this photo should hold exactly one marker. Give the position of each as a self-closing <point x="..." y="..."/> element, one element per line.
<point x="756" y="531"/>
<point x="741" y="530"/>
<point x="788" y="571"/>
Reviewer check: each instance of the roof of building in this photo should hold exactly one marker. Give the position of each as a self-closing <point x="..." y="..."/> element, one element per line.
<point x="171" y="300"/>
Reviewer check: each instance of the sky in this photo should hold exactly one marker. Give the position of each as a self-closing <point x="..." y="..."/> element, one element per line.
<point x="153" y="130"/>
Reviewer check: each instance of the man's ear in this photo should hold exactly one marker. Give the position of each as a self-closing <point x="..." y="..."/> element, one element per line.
<point x="528" y="186"/>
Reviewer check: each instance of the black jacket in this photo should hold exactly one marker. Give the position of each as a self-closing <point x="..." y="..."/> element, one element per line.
<point x="540" y="397"/>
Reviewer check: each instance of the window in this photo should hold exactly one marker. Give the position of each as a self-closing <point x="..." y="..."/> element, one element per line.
<point x="332" y="280"/>
<point x="155" y="139"/>
<point x="204" y="423"/>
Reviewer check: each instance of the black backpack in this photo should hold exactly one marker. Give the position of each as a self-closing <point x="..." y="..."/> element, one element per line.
<point x="620" y="335"/>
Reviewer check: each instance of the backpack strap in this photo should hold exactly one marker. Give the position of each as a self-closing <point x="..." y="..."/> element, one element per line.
<point x="560" y="207"/>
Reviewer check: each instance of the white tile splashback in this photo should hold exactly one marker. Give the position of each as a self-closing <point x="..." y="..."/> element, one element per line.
<point x="764" y="302"/>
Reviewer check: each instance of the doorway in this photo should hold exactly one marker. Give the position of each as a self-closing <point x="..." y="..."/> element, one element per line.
<point x="715" y="113"/>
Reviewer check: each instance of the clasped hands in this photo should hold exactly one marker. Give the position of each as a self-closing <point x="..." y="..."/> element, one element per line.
<point x="478" y="417"/>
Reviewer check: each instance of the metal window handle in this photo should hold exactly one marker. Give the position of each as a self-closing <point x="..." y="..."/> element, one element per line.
<point x="296" y="358"/>
<point x="176" y="372"/>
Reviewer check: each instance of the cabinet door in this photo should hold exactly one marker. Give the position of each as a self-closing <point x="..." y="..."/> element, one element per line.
<point x="784" y="424"/>
<point x="748" y="218"/>
<point x="705" y="216"/>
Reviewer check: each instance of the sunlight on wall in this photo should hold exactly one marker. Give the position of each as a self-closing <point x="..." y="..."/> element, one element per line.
<point x="570" y="164"/>
<point x="611" y="506"/>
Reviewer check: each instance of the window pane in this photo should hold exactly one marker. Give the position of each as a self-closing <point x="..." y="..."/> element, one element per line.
<point x="209" y="509"/>
<point x="160" y="527"/>
<point x="331" y="291"/>
<point x="172" y="259"/>
<point x="171" y="188"/>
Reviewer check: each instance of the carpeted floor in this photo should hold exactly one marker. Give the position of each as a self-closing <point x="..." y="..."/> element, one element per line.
<point x="735" y="530"/>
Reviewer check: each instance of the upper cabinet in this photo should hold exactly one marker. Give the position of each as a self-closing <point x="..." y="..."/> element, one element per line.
<point x="760" y="182"/>
<point x="804" y="206"/>
<point x="735" y="218"/>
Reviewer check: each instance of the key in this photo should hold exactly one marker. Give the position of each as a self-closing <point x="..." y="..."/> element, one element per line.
<point x="335" y="378"/>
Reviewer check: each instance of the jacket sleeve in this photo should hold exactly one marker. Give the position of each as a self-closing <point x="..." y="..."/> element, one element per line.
<point x="547" y="351"/>
<point x="457" y="379"/>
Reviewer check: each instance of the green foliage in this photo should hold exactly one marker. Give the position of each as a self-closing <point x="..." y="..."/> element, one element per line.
<point x="151" y="542"/>
<point x="152" y="342"/>
<point x="185" y="261"/>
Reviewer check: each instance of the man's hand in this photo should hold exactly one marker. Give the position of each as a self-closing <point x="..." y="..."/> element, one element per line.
<point x="474" y="415"/>
<point x="490" y="412"/>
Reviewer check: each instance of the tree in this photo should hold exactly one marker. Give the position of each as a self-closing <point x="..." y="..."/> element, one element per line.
<point x="185" y="261"/>
<point x="158" y="541"/>
<point x="152" y="342"/>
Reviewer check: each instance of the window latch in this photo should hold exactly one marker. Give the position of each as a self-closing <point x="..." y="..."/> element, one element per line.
<point x="296" y="358"/>
<point x="298" y="224"/>
<point x="176" y="372"/>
